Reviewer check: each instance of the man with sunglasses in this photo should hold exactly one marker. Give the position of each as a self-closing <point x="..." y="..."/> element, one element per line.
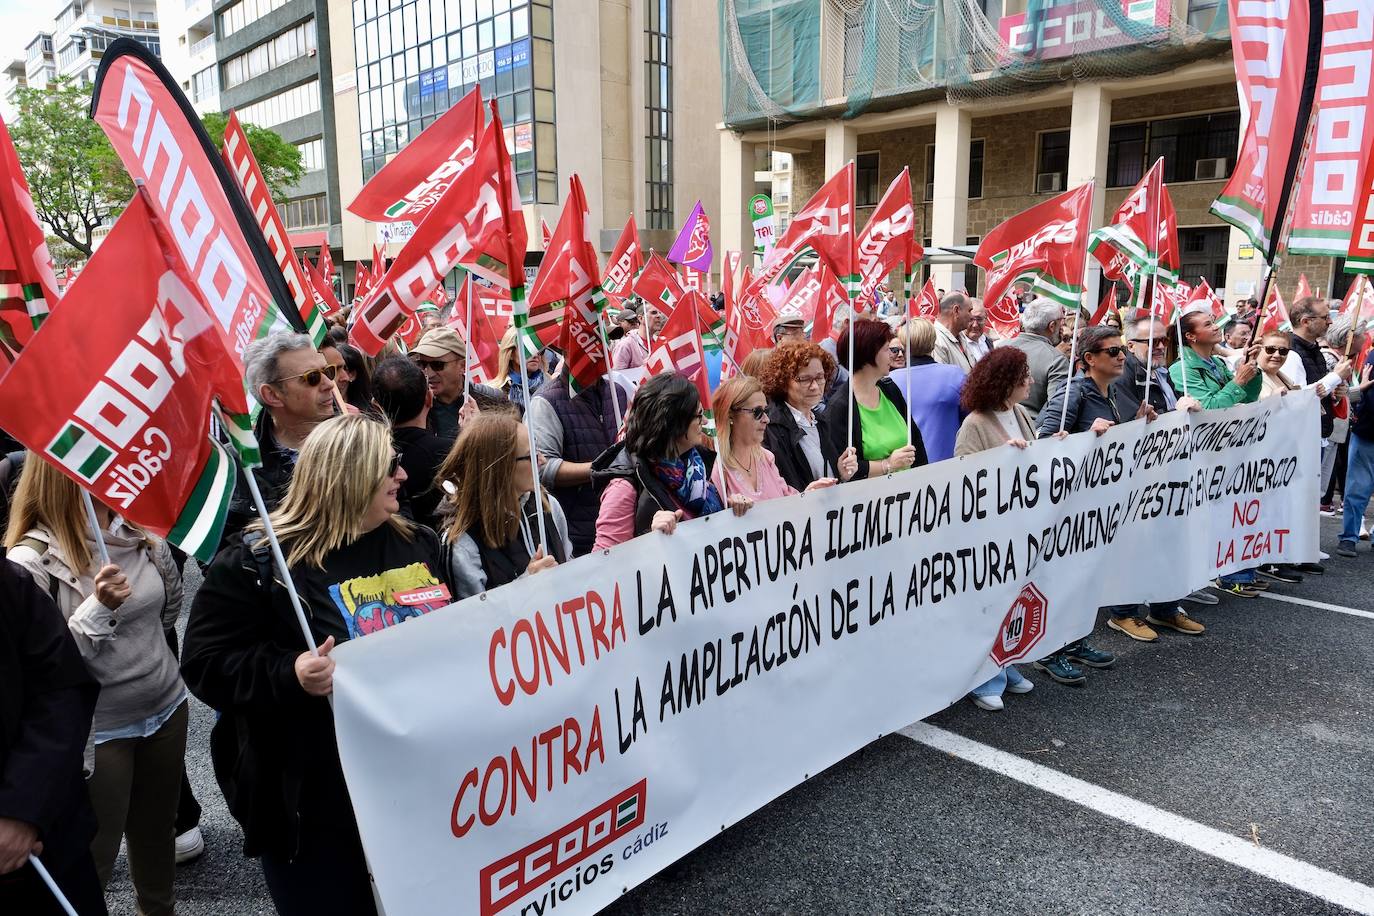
<point x="295" y="385"/>
<point x="443" y="356"/>
<point x="1311" y="320"/>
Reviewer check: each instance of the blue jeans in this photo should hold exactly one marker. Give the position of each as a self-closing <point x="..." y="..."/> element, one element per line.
<point x="1359" y="486"/>
<point x="1244" y="577"/>
<point x="998" y="682"/>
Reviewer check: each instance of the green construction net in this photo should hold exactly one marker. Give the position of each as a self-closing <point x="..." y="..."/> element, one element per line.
<point x="786" y="60"/>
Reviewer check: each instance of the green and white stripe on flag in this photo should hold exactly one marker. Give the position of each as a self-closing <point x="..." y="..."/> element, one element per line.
<point x="31" y="294"/>
<point x="200" y="525"/>
<point x="315" y="326"/>
<point x="238" y="427"/>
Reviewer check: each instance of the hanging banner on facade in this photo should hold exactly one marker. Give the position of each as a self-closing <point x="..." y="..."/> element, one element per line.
<point x="1324" y="210"/>
<point x="565" y="737"/>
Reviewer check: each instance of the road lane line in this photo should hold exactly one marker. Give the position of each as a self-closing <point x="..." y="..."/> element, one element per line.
<point x="1266" y="863"/>
<point x="1307" y="602"/>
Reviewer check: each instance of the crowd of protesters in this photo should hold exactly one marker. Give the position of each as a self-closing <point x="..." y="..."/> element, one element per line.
<point x="395" y="486"/>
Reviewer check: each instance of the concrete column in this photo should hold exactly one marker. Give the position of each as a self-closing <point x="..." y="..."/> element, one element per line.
<point x="949" y="207"/>
<point x="736" y="187"/>
<point x="1089" y="128"/>
<point x="841" y="145"/>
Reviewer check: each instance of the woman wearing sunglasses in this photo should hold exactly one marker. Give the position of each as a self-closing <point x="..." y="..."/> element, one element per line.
<point x="358" y="567"/>
<point x="1091" y="399"/>
<point x="794" y="379"/>
<point x="491" y="535"/>
<point x="658" y="474"/>
<point x="1273" y="353"/>
<point x="748" y="469"/>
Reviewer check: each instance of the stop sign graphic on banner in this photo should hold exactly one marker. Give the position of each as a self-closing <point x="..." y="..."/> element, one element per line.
<point x="1022" y="627"/>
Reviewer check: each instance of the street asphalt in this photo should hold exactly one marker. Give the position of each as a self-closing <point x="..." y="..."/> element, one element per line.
<point x="1262" y="729"/>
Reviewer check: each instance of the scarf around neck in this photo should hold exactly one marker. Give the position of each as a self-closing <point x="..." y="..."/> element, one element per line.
<point x="686" y="477"/>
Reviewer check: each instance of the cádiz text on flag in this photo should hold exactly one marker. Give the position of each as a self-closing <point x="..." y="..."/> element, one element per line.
<point x="565" y="737"/>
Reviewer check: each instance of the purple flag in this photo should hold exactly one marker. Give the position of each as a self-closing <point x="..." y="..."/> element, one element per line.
<point x="693" y="245"/>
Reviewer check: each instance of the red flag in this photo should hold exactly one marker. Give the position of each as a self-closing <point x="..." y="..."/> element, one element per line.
<point x="415" y="180"/>
<point x="746" y="327"/>
<point x="363" y="282"/>
<point x="1004" y="314"/>
<point x="326" y="264"/>
<point x="545" y="234"/>
<point x="1275" y="313"/>
<point x="122" y="404"/>
<point x="1271" y="47"/>
<point x="626" y="261"/>
<point x="569" y="274"/>
<point x="1304" y="288"/>
<point x="729" y="273"/>
<point x="1142" y="234"/>
<point x="1205" y="298"/>
<point x="831" y="299"/>
<point x="926" y="305"/>
<point x="1360" y="254"/>
<point x="26" y="277"/>
<point x="469" y="226"/>
<point x="68" y="277"/>
<point x="826" y="224"/>
<point x="243" y="166"/>
<point x="1108" y="302"/>
<point x="889" y="238"/>
<point x="1168" y="300"/>
<point x="1045" y="245"/>
<point x="678" y="348"/>
<point x="323" y="292"/>
<point x="658" y="285"/>
<point x="1358" y="305"/>
<point x="378" y="261"/>
<point x="693" y="279"/>
<point x="484" y="338"/>
<point x="149" y="125"/>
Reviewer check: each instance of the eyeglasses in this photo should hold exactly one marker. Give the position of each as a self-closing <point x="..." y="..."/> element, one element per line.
<point x="700" y="415"/>
<point x="433" y="365"/>
<point x="896" y="351"/>
<point x="1275" y="351"/>
<point x="1113" y="352"/>
<point x="1157" y="342"/>
<point x="395" y="463"/>
<point x="312" y="378"/>
<point x="629" y="321"/>
<point x="807" y="381"/>
<point x="758" y="413"/>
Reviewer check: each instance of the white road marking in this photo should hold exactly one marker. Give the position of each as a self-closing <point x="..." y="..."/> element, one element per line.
<point x="1266" y="863"/>
<point x="1306" y="602"/>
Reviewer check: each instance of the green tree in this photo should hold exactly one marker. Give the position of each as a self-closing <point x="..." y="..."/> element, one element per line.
<point x="280" y="161"/>
<point x="76" y="180"/>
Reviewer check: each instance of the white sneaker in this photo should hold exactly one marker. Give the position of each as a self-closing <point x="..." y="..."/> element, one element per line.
<point x="992" y="704"/>
<point x="1364" y="530"/>
<point x="190" y="846"/>
<point x="1021" y="686"/>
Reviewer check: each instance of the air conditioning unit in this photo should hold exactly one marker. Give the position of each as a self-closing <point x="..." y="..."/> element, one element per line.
<point x="930" y="190"/>
<point x="1049" y="182"/>
<point x="1210" y="169"/>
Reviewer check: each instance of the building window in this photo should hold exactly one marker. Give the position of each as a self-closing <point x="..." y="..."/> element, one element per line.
<point x="235" y="17"/>
<point x="304" y="212"/>
<point x="1202" y="14"/>
<point x="294" y="43"/>
<point x="866" y="190"/>
<point x="1052" y="162"/>
<point x="204" y="85"/>
<point x="417" y="60"/>
<point x="69" y="54"/>
<point x="975" y="170"/>
<point x="68" y="16"/>
<point x="312" y="154"/>
<point x="1195" y="148"/>
<point x="284" y="106"/>
<point x="658" y="113"/>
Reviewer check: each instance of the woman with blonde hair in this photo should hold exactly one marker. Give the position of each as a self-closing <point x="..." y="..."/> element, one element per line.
<point x="748" y="469"/>
<point x="492" y="535"/>
<point x="510" y="365"/>
<point x="358" y="567"/>
<point x="116" y="613"/>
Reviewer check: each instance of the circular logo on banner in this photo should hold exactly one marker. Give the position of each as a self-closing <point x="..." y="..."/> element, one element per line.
<point x="760" y="206"/>
<point x="1022" y="627"/>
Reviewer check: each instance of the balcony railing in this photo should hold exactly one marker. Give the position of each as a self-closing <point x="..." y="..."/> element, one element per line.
<point x="205" y="44"/>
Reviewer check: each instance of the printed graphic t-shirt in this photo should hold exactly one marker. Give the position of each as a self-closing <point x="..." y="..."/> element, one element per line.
<point x="376" y="582"/>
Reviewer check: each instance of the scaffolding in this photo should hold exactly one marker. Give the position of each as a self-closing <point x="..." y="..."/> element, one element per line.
<point x="791" y="60"/>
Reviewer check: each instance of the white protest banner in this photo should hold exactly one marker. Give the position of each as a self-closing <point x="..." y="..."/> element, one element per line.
<point x="561" y="739"/>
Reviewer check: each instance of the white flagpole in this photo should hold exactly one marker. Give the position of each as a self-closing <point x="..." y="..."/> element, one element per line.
<point x="272" y="541"/>
<point x="95" y="528"/>
<point x="467" y="328"/>
<point x="849" y="335"/>
<point x="1178" y="326"/>
<point x="1154" y="284"/>
<point x="52" y="885"/>
<point x="1068" y="383"/>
